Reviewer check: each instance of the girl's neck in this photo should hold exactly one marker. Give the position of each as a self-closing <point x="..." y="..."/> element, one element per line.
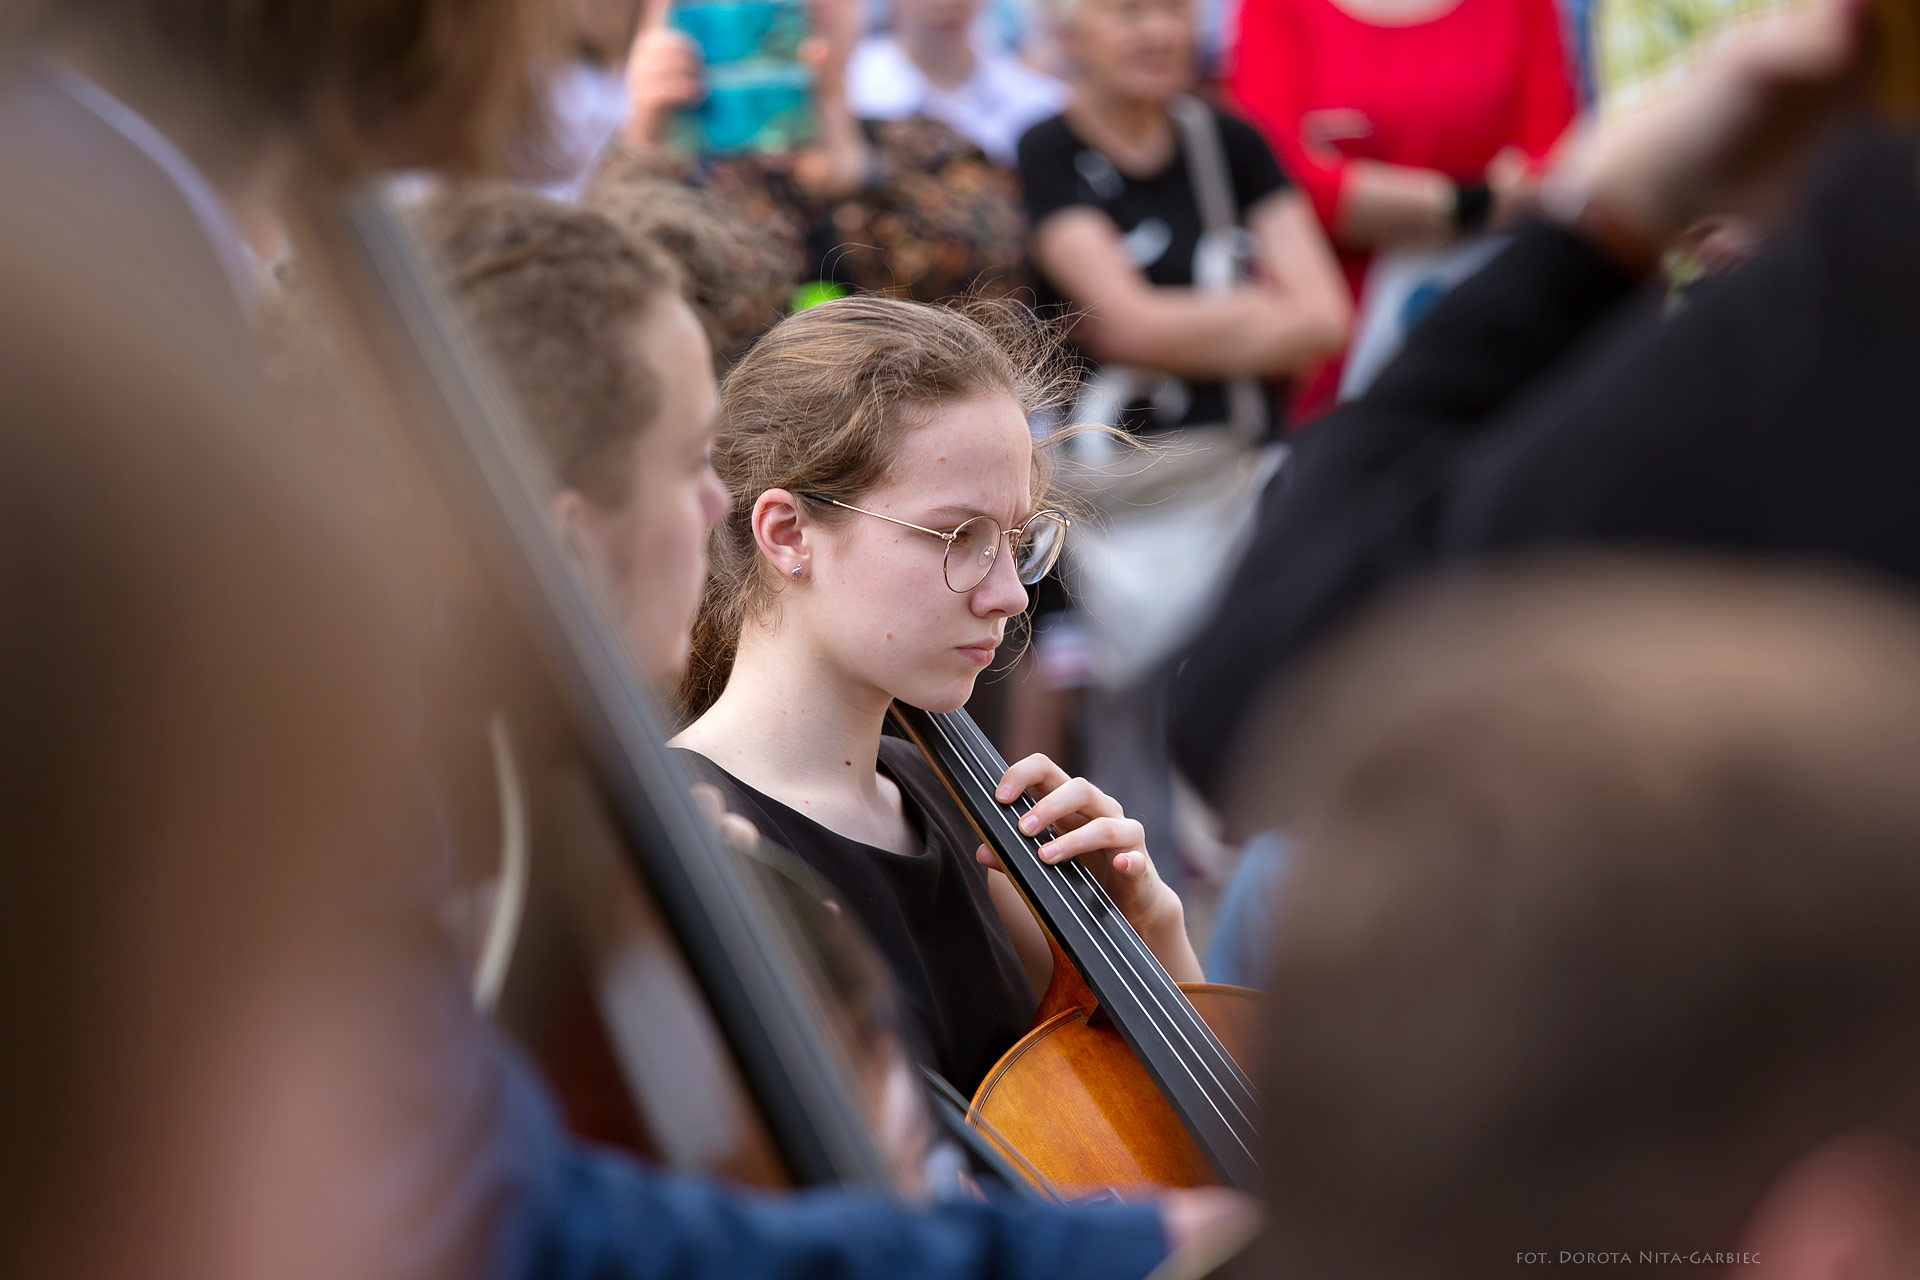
<point x="1135" y="133"/>
<point x="945" y="62"/>
<point x="792" y="729"/>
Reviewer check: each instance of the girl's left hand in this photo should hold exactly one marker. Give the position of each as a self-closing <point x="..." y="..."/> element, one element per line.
<point x="1094" y="829"/>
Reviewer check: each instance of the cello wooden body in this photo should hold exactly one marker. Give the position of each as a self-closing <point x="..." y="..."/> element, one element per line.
<point x="1072" y="1098"/>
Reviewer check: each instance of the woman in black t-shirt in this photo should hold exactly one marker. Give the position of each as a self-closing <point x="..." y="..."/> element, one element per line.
<point x="887" y="518"/>
<point x="1117" y="236"/>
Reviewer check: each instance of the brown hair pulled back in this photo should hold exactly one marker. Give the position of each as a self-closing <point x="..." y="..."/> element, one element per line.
<point x="821" y="405"/>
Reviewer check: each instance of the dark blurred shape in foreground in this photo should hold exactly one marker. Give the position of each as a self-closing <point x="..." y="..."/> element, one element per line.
<point x="1604" y="926"/>
<point x="192" y="671"/>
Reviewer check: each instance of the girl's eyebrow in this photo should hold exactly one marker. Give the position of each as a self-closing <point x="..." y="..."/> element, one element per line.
<point x="957" y="512"/>
<point x="960" y="512"/>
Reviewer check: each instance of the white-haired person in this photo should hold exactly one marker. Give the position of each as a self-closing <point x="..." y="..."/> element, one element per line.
<point x="1198" y="284"/>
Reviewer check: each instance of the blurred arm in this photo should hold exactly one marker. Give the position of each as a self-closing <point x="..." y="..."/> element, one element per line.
<point x="1250" y="332"/>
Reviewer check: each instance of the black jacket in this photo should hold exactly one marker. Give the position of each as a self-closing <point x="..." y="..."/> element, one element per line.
<point x="1545" y="402"/>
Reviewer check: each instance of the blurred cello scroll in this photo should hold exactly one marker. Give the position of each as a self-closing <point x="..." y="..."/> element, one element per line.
<point x="723" y="1020"/>
<point x="1127" y="1082"/>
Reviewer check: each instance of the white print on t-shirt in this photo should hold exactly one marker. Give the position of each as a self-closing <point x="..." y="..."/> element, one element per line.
<point x="1147" y="242"/>
<point x="1099" y="174"/>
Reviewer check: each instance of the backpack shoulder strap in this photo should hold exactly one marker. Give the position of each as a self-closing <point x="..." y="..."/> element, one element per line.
<point x="1219" y="217"/>
<point x="1206" y="163"/>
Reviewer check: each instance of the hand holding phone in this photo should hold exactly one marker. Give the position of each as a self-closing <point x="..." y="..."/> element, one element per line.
<point x="664" y="75"/>
<point x="758" y="95"/>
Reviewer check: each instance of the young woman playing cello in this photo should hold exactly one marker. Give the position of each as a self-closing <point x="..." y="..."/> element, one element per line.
<point x="888" y="516"/>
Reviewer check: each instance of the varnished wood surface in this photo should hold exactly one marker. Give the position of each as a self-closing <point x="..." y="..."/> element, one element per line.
<point x="1073" y="1099"/>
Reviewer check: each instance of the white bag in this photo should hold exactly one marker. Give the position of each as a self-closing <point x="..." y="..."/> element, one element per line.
<point x="1156" y="563"/>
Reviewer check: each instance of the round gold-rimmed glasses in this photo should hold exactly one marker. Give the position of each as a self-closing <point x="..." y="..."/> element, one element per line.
<point x="974" y="544"/>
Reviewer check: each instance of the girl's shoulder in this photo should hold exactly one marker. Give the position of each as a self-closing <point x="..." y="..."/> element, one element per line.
<point x="765" y="813"/>
<point x="945" y="824"/>
<point x="912" y="770"/>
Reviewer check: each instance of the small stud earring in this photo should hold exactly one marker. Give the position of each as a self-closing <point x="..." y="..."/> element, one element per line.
<point x="799" y="572"/>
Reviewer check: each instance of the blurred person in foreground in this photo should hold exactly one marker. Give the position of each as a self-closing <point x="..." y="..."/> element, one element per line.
<point x="205" y="756"/>
<point x="202" y="756"/>
<point x="248" y="1046"/>
<point x="1601" y="943"/>
<point x="1538" y="404"/>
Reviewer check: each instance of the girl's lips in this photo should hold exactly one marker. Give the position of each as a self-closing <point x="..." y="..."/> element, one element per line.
<point x="980" y="653"/>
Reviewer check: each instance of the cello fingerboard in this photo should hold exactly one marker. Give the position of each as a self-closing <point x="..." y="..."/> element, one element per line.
<point x="1206" y="1088"/>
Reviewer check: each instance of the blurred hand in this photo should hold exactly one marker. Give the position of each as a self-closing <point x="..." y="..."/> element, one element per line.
<point x="840" y="161"/>
<point x="1206" y="1214"/>
<point x="1721" y="243"/>
<point x="735" y="831"/>
<point x="1515" y="187"/>
<point x="1094" y="829"/>
<point x="834" y="30"/>
<point x="1730" y="137"/>
<point x="664" y="74"/>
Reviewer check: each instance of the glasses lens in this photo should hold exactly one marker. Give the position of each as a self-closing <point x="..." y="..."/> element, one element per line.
<point x="970" y="554"/>
<point x="1039" y="547"/>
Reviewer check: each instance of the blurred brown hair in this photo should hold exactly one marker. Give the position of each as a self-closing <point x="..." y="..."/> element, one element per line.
<point x="1607" y="911"/>
<point x="820" y="407"/>
<point x="740" y="274"/>
<point x="445" y="84"/>
<point x="556" y="295"/>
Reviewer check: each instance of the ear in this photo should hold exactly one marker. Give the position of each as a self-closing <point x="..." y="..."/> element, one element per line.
<point x="1844" y="1212"/>
<point x="572" y="516"/>
<point x="780" y="530"/>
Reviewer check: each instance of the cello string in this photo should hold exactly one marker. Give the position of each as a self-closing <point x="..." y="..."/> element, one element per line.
<point x="978" y="769"/>
<point x="979" y="751"/>
<point x="1127" y="940"/>
<point x="1136" y="986"/>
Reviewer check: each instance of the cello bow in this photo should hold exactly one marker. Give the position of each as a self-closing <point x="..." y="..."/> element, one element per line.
<point x="1181" y="1055"/>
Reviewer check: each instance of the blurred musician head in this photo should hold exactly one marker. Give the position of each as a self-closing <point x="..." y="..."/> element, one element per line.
<point x="1604" y="929"/>
<point x="591" y="332"/>
<point x="404" y="83"/>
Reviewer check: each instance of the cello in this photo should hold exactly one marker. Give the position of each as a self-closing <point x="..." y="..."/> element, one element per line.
<point x="1127" y="1081"/>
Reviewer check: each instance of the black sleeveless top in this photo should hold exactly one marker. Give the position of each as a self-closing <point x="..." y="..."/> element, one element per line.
<point x="929" y="913"/>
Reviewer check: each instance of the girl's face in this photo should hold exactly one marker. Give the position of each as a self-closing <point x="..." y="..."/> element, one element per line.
<point x="1137" y="49"/>
<point x="876" y="606"/>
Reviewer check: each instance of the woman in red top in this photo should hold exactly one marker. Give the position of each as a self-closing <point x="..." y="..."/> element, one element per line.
<point x="1407" y="122"/>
